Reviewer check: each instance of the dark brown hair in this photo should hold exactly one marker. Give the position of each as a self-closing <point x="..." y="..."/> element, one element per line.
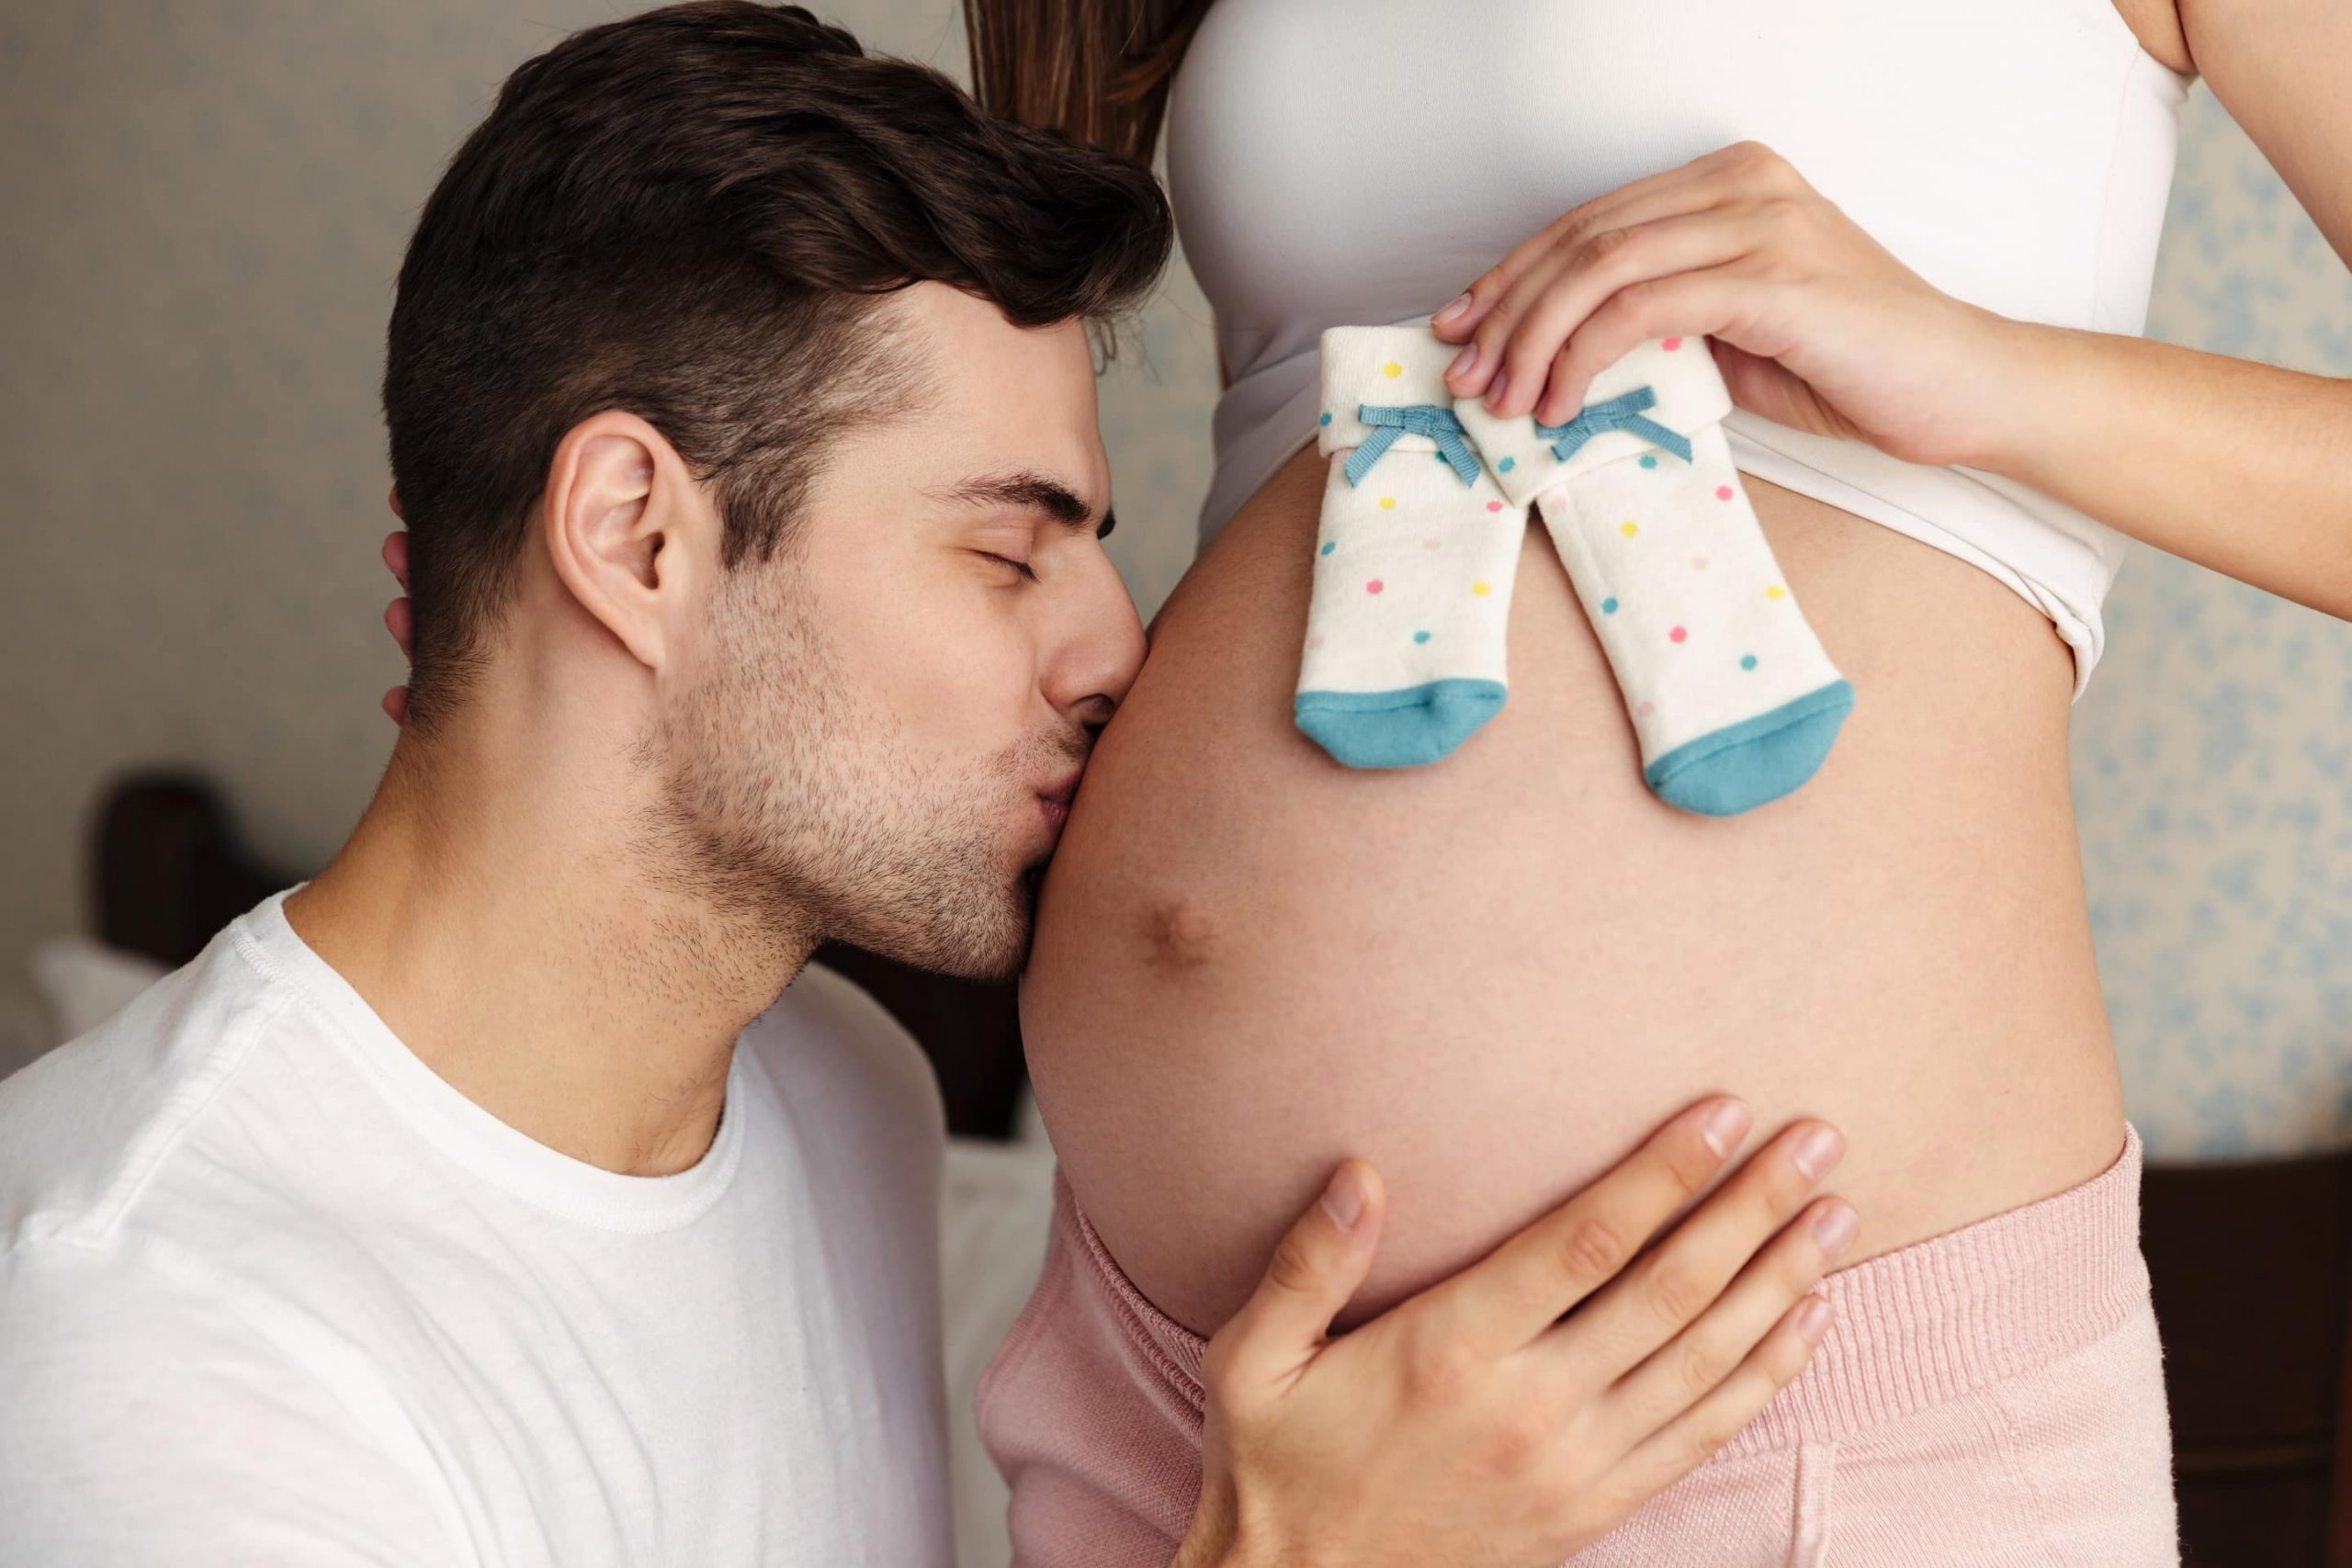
<point x="1096" y="69"/>
<point x="688" y="215"/>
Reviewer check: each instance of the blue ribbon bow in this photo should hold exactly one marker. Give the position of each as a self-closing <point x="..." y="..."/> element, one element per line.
<point x="1617" y="413"/>
<point x="1419" y="419"/>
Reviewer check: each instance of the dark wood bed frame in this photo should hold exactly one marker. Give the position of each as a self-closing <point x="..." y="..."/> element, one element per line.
<point x="2252" y="1263"/>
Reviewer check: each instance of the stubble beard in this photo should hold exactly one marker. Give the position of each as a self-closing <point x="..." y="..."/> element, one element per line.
<point x="798" y="811"/>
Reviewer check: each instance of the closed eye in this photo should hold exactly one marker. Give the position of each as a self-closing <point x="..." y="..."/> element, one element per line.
<point x="1021" y="567"/>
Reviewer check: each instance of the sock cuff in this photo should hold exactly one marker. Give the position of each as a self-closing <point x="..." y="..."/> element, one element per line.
<point x="1385" y="367"/>
<point x="1679" y="372"/>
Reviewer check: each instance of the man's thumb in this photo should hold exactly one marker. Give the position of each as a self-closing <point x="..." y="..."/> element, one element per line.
<point x="1316" y="1269"/>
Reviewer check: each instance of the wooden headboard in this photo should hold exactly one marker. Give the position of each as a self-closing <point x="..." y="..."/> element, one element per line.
<point x="169" y="870"/>
<point x="2252" y="1263"/>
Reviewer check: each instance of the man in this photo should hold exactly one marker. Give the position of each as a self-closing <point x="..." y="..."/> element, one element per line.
<point x="481" y="1201"/>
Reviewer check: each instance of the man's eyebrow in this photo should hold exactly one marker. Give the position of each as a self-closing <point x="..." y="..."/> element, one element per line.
<point x="1031" y="491"/>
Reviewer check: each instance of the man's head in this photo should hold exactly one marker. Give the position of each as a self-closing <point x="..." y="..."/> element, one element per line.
<point x="751" y="373"/>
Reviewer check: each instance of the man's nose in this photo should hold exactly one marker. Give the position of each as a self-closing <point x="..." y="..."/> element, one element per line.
<point x="1093" y="712"/>
<point x="1090" y="674"/>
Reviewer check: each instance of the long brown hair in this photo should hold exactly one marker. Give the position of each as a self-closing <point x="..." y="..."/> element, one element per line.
<point x="1098" y="70"/>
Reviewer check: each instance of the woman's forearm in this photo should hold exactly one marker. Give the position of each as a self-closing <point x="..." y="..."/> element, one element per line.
<point x="2242" y="467"/>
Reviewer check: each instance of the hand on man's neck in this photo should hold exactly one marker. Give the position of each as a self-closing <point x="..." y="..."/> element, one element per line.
<point x="495" y="908"/>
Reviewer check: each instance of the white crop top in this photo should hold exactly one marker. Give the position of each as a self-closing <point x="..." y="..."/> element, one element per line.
<point x="1362" y="164"/>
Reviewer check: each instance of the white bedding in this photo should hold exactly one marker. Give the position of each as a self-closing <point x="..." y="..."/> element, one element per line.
<point x="993" y="1219"/>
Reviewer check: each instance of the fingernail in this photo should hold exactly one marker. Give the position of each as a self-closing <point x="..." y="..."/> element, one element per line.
<point x="1812" y="1319"/>
<point x="1834" y="1230"/>
<point x="1462" y="361"/>
<point x="1459" y="308"/>
<point x="1726" y="1125"/>
<point x="1343" y="1200"/>
<point x="1817" y="1151"/>
<point x="1495" y="389"/>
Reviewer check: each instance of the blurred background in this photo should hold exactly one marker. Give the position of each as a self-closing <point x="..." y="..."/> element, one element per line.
<point x="204" y="210"/>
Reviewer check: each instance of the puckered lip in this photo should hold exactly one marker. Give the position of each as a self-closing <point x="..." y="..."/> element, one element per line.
<point x="1062" y="793"/>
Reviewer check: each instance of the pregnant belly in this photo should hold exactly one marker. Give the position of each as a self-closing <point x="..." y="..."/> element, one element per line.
<point x="1492" y="975"/>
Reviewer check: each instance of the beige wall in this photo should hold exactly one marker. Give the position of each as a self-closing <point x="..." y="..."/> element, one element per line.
<point x="201" y="209"/>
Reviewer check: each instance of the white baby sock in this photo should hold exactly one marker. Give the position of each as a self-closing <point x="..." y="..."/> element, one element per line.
<point x="1733" y="699"/>
<point x="1413" y="561"/>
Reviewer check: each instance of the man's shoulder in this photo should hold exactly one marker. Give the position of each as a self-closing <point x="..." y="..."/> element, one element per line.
<point x="87" y="1128"/>
<point x="827" y="1029"/>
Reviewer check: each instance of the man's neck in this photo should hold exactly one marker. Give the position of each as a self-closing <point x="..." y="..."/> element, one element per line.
<point x="498" y="915"/>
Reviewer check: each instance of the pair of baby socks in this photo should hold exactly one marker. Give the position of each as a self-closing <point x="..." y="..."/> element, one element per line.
<point x="1733" y="700"/>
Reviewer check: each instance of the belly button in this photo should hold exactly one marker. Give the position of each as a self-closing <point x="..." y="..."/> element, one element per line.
<point x="1177" y="936"/>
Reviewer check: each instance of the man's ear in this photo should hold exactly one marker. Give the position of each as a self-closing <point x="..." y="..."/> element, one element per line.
<point x="627" y="530"/>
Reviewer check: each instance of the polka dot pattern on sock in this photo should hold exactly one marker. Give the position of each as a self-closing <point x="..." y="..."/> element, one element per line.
<point x="1704" y="567"/>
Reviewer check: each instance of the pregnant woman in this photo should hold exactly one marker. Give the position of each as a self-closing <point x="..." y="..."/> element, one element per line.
<point x="1488" y="975"/>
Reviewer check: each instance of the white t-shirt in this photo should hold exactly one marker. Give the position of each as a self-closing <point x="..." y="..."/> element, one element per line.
<point x="272" y="1291"/>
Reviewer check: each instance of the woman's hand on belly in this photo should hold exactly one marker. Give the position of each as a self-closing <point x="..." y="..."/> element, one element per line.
<point x="1521" y="1409"/>
<point x="1816" y="325"/>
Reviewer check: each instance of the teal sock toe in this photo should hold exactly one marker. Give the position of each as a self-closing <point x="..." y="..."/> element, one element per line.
<point x="1744" y="765"/>
<point x="1403" y="729"/>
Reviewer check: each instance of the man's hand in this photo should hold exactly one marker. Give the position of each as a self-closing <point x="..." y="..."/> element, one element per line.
<point x="1474" y="1424"/>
